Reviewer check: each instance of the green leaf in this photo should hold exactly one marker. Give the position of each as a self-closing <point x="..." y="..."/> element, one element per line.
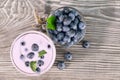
<point x="33" y="65"/>
<point x="42" y="53"/>
<point x="51" y="22"/>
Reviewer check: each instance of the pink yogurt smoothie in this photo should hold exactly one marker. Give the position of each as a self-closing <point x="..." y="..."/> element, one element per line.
<point x="30" y="38"/>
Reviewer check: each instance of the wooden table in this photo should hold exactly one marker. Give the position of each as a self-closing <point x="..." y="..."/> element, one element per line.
<point x="99" y="62"/>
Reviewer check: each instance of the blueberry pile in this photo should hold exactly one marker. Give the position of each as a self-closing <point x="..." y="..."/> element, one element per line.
<point x="30" y="55"/>
<point x="70" y="27"/>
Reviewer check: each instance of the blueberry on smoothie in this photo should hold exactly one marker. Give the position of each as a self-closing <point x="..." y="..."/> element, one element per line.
<point x="22" y="43"/>
<point x="22" y="56"/>
<point x="42" y="57"/>
<point x="49" y="46"/>
<point x="38" y="69"/>
<point x="66" y="28"/>
<point x="27" y="63"/>
<point x="40" y="62"/>
<point x="35" y="47"/>
<point x="26" y="49"/>
<point x="30" y="55"/>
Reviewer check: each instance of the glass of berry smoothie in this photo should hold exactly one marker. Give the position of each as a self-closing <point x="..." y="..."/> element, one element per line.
<point x="33" y="53"/>
<point x="69" y="26"/>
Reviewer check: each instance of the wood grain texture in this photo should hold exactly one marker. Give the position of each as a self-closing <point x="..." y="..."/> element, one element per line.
<point x="100" y="62"/>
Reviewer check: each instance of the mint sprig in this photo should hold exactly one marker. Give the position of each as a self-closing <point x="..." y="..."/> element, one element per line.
<point x="42" y="53"/>
<point x="33" y="65"/>
<point x="51" y="22"/>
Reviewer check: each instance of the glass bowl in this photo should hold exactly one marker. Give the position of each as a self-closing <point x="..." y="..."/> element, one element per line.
<point x="70" y="27"/>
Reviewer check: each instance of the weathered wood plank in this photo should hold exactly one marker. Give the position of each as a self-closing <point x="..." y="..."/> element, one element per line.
<point x="100" y="62"/>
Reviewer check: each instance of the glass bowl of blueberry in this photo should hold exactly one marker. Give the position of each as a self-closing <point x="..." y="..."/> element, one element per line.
<point x="66" y="26"/>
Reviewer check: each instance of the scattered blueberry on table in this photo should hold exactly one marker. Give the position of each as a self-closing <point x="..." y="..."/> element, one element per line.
<point x="85" y="44"/>
<point x="68" y="56"/>
<point x="61" y="65"/>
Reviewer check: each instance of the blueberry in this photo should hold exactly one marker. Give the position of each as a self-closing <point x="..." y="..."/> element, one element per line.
<point x="30" y="55"/>
<point x="72" y="16"/>
<point x="71" y="33"/>
<point x="26" y="49"/>
<point x="69" y="44"/>
<point x="74" y="39"/>
<point x="35" y="47"/>
<point x="23" y="43"/>
<point x="76" y="13"/>
<point x="65" y="16"/>
<point x="66" y="10"/>
<point x="78" y="35"/>
<point x="57" y="13"/>
<point x="73" y="26"/>
<point x="58" y="21"/>
<point x="61" y="65"/>
<point x="79" y="17"/>
<point x="42" y="57"/>
<point x="69" y="40"/>
<point x="62" y="42"/>
<point x="22" y="56"/>
<point x="50" y="31"/>
<point x="49" y="46"/>
<point x="66" y="39"/>
<point x="61" y="17"/>
<point x="59" y="27"/>
<point x="38" y="69"/>
<point x="55" y="32"/>
<point x="76" y="21"/>
<point x="67" y="21"/>
<point x="54" y="38"/>
<point x="27" y="63"/>
<point x="66" y="28"/>
<point x="60" y="36"/>
<point x="85" y="44"/>
<point x="40" y="62"/>
<point x="81" y="25"/>
<point x="68" y="56"/>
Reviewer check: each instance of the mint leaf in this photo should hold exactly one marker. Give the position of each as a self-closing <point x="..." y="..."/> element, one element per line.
<point x="42" y="53"/>
<point x="51" y="22"/>
<point x="51" y="26"/>
<point x="33" y="65"/>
